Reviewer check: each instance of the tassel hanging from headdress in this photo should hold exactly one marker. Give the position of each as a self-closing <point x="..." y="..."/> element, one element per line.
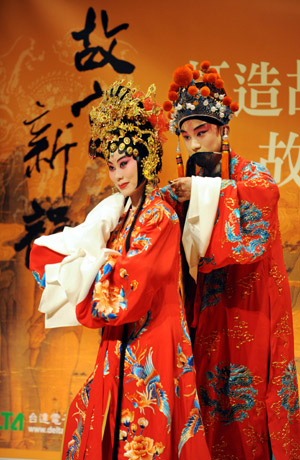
<point x="180" y="168"/>
<point x="225" y="154"/>
<point x="92" y="150"/>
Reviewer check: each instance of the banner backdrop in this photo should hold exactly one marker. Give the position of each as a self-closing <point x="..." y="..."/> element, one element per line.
<point x="56" y="58"/>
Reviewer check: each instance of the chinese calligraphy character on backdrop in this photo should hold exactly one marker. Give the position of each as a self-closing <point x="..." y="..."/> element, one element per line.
<point x="39" y="143"/>
<point x="94" y="57"/>
<point x="35" y="224"/>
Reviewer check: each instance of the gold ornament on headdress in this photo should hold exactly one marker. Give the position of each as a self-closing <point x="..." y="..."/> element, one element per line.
<point x="120" y="123"/>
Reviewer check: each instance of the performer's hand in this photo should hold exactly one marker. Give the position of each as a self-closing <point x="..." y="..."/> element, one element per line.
<point x="182" y="188"/>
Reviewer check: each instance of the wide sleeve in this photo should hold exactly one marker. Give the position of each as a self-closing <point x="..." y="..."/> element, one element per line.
<point x="246" y="222"/>
<point x="126" y="285"/>
<point x="65" y="264"/>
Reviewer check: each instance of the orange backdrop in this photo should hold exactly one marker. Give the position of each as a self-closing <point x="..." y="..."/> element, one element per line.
<point x="55" y="58"/>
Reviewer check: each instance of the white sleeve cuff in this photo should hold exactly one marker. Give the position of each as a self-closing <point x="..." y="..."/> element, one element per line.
<point x="200" y="219"/>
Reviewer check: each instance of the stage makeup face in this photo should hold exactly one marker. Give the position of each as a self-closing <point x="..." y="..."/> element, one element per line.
<point x="199" y="136"/>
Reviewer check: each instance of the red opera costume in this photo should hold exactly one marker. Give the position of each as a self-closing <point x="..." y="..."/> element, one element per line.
<point x="248" y="318"/>
<point x="241" y="309"/>
<point x="160" y="415"/>
<point x="238" y="300"/>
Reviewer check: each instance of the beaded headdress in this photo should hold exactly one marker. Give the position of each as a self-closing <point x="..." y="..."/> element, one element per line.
<point x="125" y="120"/>
<point x="205" y="99"/>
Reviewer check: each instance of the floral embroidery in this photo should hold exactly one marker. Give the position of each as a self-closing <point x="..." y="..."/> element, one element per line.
<point x="108" y="300"/>
<point x="127" y="417"/>
<point x="139" y="447"/>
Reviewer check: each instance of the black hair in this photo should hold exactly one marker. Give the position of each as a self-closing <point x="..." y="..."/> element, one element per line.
<point x="127" y="242"/>
<point x="140" y="146"/>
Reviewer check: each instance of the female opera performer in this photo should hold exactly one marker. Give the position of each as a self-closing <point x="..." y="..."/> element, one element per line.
<point x="119" y="271"/>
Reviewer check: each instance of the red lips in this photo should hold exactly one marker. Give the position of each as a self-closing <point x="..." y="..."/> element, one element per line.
<point x="123" y="185"/>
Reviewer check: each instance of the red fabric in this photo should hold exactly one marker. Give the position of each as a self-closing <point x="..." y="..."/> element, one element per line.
<point x="160" y="410"/>
<point x="40" y="256"/>
<point x="243" y="349"/>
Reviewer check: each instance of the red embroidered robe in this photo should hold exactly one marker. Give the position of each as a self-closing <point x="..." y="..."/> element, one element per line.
<point x="160" y="417"/>
<point x="243" y="348"/>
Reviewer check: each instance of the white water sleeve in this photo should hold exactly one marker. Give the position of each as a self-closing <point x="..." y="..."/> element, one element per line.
<point x="68" y="282"/>
<point x="200" y="219"/>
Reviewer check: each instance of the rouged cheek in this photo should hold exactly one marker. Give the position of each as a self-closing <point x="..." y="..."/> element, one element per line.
<point x="131" y="162"/>
<point x="131" y="167"/>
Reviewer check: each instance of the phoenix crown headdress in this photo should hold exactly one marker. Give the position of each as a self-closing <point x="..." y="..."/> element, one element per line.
<point x="125" y="118"/>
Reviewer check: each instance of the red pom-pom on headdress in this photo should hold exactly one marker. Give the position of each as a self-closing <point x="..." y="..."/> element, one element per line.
<point x="183" y="76"/>
<point x="204" y="65"/>
<point x="227" y="100"/>
<point x="190" y="66"/>
<point x="219" y="83"/>
<point x="193" y="90"/>
<point x="234" y="107"/>
<point x="173" y="96"/>
<point x="174" y="87"/>
<point x="184" y="90"/>
<point x="167" y="105"/>
<point x="205" y="91"/>
<point x="196" y="74"/>
<point x="211" y="78"/>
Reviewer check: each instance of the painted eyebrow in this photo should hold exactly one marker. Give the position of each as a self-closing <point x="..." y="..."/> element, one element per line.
<point x="197" y="127"/>
<point x="120" y="159"/>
